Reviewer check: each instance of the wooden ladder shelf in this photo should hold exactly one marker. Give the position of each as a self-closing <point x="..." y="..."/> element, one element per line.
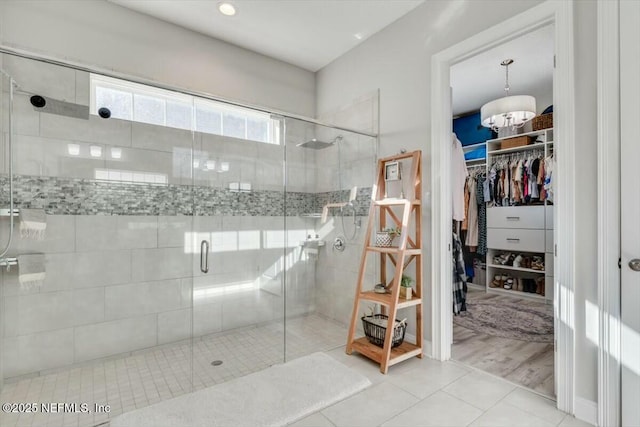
<point x="408" y="250"/>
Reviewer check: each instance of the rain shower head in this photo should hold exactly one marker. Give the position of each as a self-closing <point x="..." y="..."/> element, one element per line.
<point x="316" y="144"/>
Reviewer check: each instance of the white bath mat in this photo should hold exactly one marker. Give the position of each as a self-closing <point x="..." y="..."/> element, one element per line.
<point x="276" y="396"/>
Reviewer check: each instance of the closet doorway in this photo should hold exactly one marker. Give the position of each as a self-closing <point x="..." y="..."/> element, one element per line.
<point x="503" y="214"/>
<point x="542" y="239"/>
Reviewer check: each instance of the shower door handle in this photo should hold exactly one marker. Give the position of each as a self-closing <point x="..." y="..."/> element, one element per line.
<point x="204" y="256"/>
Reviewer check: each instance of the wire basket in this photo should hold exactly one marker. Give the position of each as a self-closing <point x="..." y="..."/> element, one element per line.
<point x="376" y="333"/>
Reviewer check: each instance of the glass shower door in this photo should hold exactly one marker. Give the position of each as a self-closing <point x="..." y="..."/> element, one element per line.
<point x="238" y="239"/>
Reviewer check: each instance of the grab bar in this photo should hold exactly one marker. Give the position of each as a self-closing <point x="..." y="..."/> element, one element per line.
<point x="204" y="256"/>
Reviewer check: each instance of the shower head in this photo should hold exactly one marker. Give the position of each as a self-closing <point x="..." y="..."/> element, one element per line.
<point x="316" y="144"/>
<point x="46" y="104"/>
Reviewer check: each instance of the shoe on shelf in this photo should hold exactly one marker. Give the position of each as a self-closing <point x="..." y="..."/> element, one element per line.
<point x="497" y="281"/>
<point x="518" y="285"/>
<point x="517" y="262"/>
<point x="536" y="265"/>
<point x="509" y="283"/>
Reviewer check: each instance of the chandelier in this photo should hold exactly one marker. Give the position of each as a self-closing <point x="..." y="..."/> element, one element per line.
<point x="510" y="111"/>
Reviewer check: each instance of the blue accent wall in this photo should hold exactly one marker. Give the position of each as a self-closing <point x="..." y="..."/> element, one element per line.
<point x="470" y="131"/>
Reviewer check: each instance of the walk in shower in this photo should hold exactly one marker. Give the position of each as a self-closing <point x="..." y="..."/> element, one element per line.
<point x="185" y="241"/>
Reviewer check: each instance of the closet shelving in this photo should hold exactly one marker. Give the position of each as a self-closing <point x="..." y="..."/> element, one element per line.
<point x="526" y="229"/>
<point x="471" y="147"/>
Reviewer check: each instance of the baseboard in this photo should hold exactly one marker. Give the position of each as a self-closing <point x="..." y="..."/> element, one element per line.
<point x="586" y="410"/>
<point x="426" y="350"/>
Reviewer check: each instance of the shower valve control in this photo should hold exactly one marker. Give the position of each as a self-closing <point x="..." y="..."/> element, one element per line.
<point x="339" y="244"/>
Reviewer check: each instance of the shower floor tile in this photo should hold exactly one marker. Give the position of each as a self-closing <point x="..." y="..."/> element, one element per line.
<point x="153" y="375"/>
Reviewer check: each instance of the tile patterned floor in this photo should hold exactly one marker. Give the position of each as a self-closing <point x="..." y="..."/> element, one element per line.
<point x="150" y="376"/>
<point x="425" y="392"/>
<point x="418" y="392"/>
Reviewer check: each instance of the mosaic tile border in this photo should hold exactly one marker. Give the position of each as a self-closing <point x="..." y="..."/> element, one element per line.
<point x="74" y="196"/>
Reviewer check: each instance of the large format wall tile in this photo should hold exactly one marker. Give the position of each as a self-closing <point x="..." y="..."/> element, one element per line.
<point x="115" y="337"/>
<point x="160" y="264"/>
<point x="207" y="319"/>
<point x="174" y="325"/>
<point x="160" y="138"/>
<point x="130" y="300"/>
<point x="93" y="129"/>
<point x="250" y="308"/>
<point x="100" y="232"/>
<point x="101" y="268"/>
<point x="59" y="236"/>
<point x="42" y="78"/>
<point x="28" y="314"/>
<point x="175" y="231"/>
<point x="26" y="121"/>
<point x="24" y="354"/>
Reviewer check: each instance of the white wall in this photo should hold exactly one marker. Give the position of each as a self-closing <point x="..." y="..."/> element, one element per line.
<point x="99" y="33"/>
<point x="397" y="62"/>
<point x="586" y="287"/>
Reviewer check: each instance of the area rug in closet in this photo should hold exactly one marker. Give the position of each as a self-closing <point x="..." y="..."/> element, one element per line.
<point x="276" y="396"/>
<point x="508" y="319"/>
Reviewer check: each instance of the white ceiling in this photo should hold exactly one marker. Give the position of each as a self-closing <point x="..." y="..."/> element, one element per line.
<point x="480" y="79"/>
<point x="306" y="33"/>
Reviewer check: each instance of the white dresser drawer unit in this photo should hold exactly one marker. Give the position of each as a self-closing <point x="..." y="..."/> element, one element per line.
<point x="516" y="217"/>
<point x="515" y="239"/>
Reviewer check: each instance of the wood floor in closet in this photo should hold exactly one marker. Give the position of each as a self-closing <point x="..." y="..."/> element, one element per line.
<point x="529" y="364"/>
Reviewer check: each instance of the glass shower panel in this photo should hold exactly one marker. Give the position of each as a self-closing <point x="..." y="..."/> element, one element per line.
<point x="5" y="104"/>
<point x="101" y="307"/>
<point x="328" y="187"/>
<point x="239" y="238"/>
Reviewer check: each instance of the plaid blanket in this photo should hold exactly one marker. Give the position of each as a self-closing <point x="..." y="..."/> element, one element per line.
<point x="459" y="277"/>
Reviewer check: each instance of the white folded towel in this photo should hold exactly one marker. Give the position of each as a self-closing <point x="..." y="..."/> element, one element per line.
<point x="33" y="223"/>
<point x="31" y="270"/>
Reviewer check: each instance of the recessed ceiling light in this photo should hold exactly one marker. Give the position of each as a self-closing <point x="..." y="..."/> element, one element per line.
<point x="116" y="153"/>
<point x="358" y="36"/>
<point x="95" y="151"/>
<point x="227" y="9"/>
<point x="73" y="149"/>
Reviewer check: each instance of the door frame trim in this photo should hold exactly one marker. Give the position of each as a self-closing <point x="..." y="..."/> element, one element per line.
<point x="609" y="209"/>
<point x="561" y="15"/>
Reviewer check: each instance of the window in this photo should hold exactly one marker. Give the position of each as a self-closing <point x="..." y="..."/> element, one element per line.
<point x="148" y="104"/>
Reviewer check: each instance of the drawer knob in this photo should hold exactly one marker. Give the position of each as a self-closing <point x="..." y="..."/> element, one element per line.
<point x="513" y="218"/>
<point x="512" y="240"/>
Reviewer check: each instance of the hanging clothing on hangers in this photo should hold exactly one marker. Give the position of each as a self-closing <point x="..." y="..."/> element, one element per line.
<point x="482" y="215"/>
<point x="458" y="176"/>
<point x="549" y="166"/>
<point x="472" y="226"/>
<point x="465" y="222"/>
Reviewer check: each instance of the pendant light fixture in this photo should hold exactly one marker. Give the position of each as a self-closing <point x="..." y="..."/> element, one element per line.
<point x="510" y="111"/>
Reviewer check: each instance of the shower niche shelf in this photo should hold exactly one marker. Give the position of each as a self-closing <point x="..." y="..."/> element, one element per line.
<point x="317" y="215"/>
